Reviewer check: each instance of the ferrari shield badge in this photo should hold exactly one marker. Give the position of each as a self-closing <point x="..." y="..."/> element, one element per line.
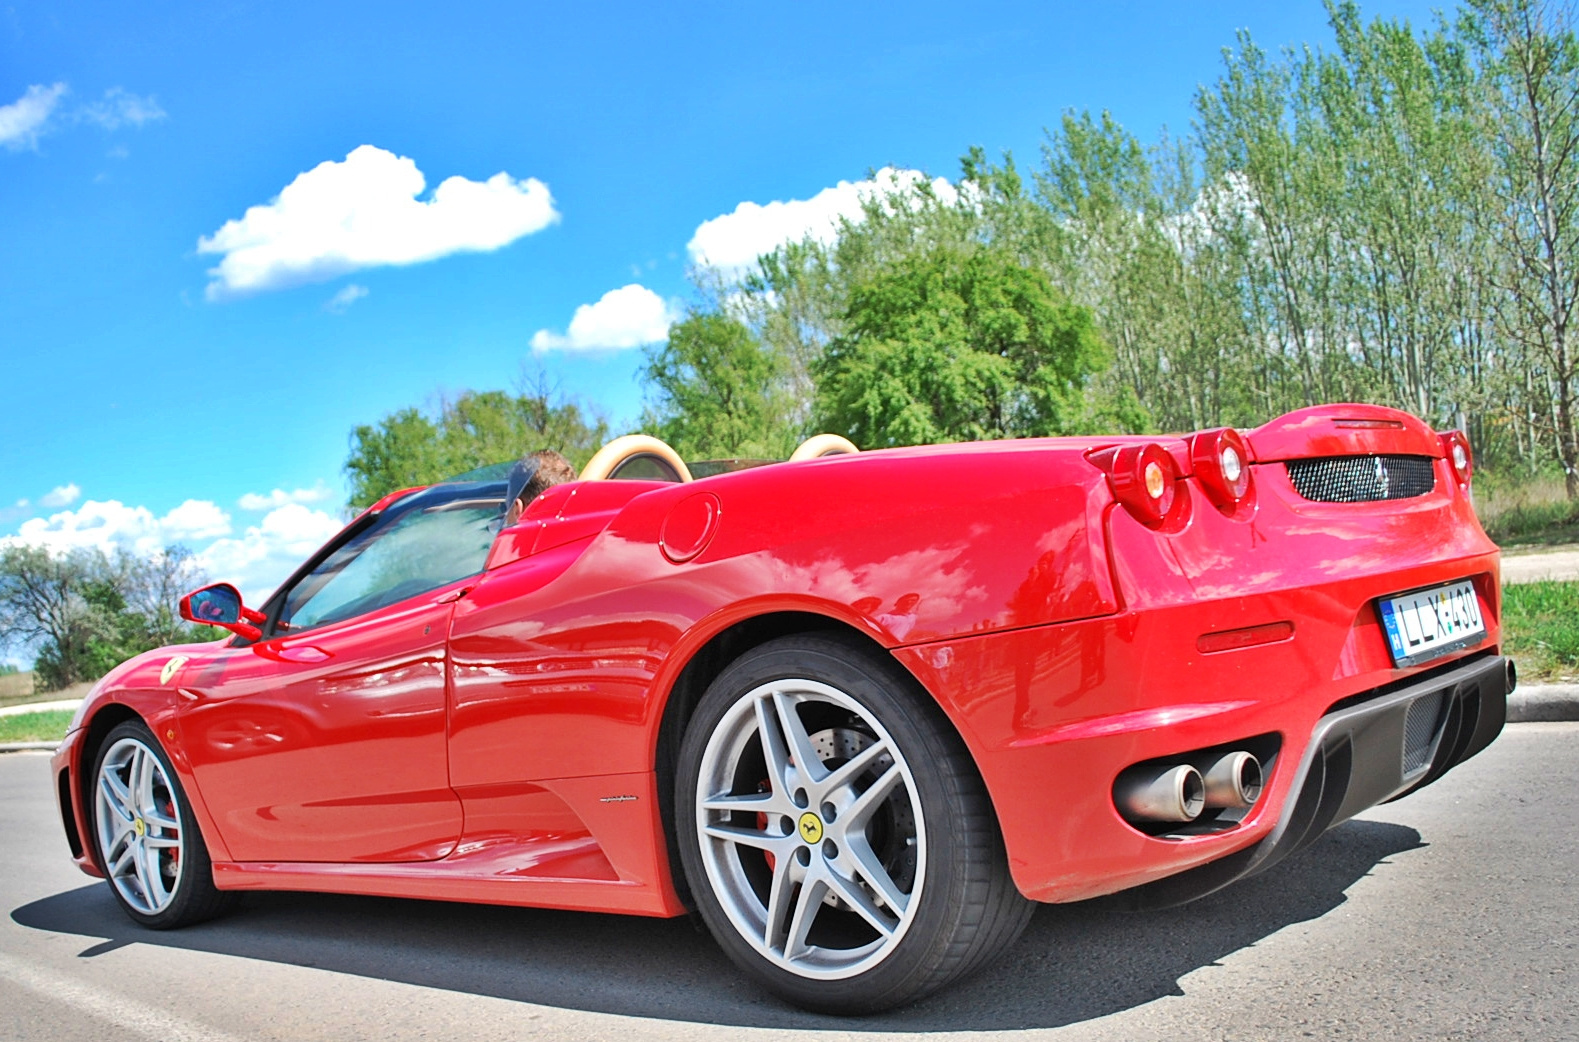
<point x="171" y="668"/>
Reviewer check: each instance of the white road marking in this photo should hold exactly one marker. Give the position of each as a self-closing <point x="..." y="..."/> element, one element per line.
<point x="107" y="1006"/>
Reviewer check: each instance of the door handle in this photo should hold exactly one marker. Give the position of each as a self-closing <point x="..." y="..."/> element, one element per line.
<point x="452" y="595"/>
<point x="304" y="653"/>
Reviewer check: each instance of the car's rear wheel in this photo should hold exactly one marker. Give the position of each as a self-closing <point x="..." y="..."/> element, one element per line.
<point x="147" y="839"/>
<point x="835" y="834"/>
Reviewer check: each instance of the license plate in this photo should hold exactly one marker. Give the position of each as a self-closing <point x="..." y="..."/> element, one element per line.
<point x="1428" y="623"/>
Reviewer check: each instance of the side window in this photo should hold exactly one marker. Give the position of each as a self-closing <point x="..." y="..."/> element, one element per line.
<point x="422" y="549"/>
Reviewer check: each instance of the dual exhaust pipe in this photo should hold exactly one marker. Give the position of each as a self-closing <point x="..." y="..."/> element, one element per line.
<point x="1181" y="792"/>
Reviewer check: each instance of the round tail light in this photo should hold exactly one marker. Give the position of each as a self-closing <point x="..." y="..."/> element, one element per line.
<point x="1455" y="446"/>
<point x="1141" y="477"/>
<point x="1222" y="465"/>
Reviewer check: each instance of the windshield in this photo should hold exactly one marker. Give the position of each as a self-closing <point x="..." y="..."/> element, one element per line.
<point x="423" y="542"/>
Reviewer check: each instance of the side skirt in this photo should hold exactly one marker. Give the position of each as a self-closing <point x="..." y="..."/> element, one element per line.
<point x="437" y="882"/>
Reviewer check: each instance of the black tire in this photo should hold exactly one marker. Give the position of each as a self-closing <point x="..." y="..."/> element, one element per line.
<point x="145" y="836"/>
<point x="926" y="866"/>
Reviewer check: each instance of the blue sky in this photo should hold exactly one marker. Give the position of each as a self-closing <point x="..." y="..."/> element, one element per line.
<point x="146" y="399"/>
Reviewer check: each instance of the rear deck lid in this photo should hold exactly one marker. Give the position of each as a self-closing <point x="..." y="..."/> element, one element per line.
<point x="1342" y="430"/>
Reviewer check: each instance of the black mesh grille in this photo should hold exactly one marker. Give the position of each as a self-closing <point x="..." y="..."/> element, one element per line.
<point x="1420" y="727"/>
<point x="1362" y="479"/>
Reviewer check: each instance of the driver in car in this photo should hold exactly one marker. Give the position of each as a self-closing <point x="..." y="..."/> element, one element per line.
<point x="533" y="474"/>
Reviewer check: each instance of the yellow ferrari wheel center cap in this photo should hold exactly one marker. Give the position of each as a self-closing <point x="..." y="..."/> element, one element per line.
<point x="811" y="828"/>
<point x="139" y="826"/>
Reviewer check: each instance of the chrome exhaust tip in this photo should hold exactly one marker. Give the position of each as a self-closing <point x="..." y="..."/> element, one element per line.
<point x="1232" y="780"/>
<point x="1513" y="677"/>
<point x="1173" y="792"/>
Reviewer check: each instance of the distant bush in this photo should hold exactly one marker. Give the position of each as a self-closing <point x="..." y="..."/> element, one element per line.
<point x="1522" y="508"/>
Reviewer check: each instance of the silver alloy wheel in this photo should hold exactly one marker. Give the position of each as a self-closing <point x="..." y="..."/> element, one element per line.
<point x="813" y="840"/>
<point x="138" y="823"/>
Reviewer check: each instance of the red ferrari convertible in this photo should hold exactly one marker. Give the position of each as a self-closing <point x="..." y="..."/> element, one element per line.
<point x="858" y="711"/>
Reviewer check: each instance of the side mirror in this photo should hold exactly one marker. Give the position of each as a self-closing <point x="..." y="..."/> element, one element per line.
<point x="220" y="605"/>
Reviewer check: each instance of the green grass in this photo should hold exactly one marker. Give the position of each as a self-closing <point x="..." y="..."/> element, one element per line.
<point x="48" y="726"/>
<point x="1540" y="625"/>
<point x="1526" y="510"/>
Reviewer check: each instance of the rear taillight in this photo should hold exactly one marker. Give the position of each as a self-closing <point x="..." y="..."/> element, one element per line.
<point x="1222" y="465"/>
<point x="1141" y="477"/>
<point x="1456" y="448"/>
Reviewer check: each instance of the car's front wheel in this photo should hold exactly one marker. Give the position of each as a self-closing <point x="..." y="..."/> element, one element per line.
<point x="147" y="839"/>
<point x="835" y="834"/>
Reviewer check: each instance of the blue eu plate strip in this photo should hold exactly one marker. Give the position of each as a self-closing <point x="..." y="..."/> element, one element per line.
<point x="1390" y="621"/>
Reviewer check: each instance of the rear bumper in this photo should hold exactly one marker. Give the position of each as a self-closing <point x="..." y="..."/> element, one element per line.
<point x="1053" y="715"/>
<point x="1376" y="747"/>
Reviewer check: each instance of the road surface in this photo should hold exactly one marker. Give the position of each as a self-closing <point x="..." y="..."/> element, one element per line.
<point x="1449" y="915"/>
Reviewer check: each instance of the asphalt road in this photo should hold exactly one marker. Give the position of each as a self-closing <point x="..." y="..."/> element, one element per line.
<point x="1451" y="914"/>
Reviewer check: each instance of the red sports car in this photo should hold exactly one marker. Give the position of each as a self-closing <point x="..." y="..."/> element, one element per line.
<point x="858" y="711"/>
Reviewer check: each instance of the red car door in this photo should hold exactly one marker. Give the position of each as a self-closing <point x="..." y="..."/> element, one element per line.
<point x="328" y="746"/>
<point x="326" y="741"/>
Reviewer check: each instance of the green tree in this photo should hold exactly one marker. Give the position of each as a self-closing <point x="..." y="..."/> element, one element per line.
<point x="1529" y="56"/>
<point x="1390" y="220"/>
<point x="399" y="451"/>
<point x="475" y="429"/>
<point x="85" y="611"/>
<point x="153" y="595"/>
<point x="797" y="297"/>
<point x="1409" y="168"/>
<point x="1130" y="239"/>
<point x="719" y="391"/>
<point x="950" y="345"/>
<point x="55" y="605"/>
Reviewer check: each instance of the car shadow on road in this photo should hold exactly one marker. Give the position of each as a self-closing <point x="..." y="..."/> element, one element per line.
<point x="1074" y="962"/>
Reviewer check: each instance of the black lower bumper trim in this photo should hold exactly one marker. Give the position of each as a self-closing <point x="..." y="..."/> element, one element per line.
<point x="1368" y="752"/>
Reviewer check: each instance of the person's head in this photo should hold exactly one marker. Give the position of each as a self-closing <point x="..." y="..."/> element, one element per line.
<point x="531" y="476"/>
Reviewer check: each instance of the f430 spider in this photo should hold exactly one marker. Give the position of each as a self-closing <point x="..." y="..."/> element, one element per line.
<point x="859" y="711"/>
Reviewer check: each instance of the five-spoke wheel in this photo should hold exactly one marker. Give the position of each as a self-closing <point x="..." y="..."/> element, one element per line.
<point x="148" y="842"/>
<point x="828" y="829"/>
<point x="833" y="829"/>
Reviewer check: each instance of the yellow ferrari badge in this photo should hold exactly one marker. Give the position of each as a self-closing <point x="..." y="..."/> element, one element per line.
<point x="811" y="828"/>
<point x="171" y="668"/>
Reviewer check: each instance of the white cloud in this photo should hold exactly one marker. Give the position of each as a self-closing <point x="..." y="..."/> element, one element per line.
<point x="279" y="497"/>
<point x="194" y="520"/>
<point x="364" y="212"/>
<point x="342" y="301"/>
<point x="120" y="108"/>
<point x="626" y="317"/>
<point x="262" y="557"/>
<point x="60" y="496"/>
<point x="732" y="242"/>
<point x="22" y="121"/>
<point x="110" y="525"/>
<point x="256" y="559"/>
